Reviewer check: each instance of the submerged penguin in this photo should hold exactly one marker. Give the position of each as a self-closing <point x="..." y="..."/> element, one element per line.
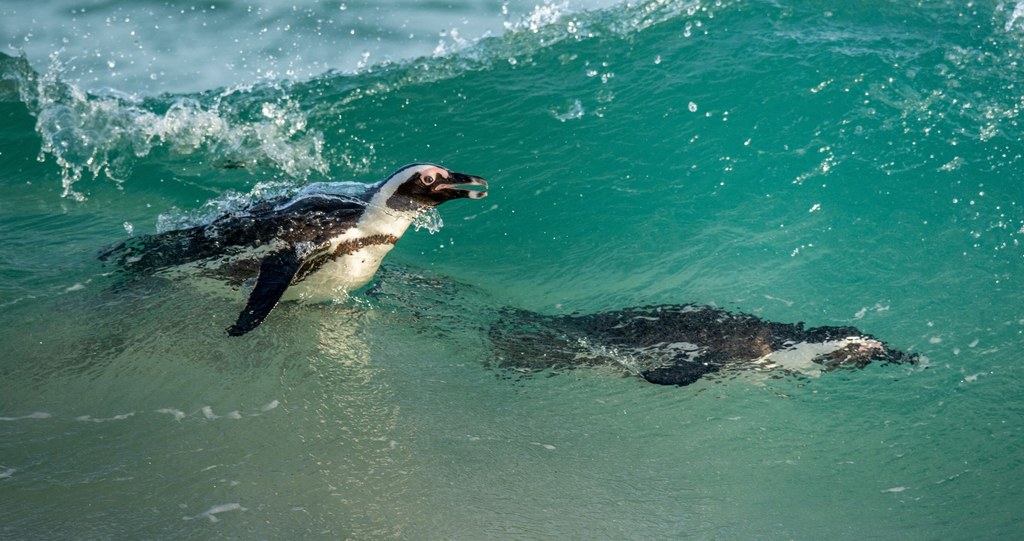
<point x="313" y="246"/>
<point x="679" y="344"/>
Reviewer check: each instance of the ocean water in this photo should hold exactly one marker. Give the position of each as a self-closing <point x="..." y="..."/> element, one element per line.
<point x="828" y="162"/>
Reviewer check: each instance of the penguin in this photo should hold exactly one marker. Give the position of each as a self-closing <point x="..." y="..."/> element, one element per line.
<point x="680" y="344"/>
<point x="313" y="246"/>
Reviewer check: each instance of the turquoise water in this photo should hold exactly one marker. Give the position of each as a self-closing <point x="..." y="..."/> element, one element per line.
<point x="806" y="161"/>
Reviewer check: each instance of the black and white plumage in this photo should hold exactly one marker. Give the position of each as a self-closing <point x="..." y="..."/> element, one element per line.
<point x="680" y="344"/>
<point x="314" y="246"/>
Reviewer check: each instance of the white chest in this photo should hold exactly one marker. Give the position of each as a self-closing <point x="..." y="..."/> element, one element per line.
<point x="340" y="275"/>
<point x="356" y="256"/>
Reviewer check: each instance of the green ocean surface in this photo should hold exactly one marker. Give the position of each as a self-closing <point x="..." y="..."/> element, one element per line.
<point x="825" y="162"/>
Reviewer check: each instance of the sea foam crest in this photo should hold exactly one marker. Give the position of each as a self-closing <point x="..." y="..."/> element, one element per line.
<point x="542" y="15"/>
<point x="547" y="24"/>
<point x="105" y="134"/>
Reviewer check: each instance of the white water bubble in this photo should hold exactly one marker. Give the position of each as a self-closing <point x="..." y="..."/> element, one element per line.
<point x="692" y="107"/>
<point x="574" y="111"/>
<point x="429" y="220"/>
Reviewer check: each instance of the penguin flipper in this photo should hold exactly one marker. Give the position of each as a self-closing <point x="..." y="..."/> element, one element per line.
<point x="276" y="273"/>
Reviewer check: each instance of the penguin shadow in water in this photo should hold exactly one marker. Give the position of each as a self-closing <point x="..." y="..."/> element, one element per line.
<point x="432" y="305"/>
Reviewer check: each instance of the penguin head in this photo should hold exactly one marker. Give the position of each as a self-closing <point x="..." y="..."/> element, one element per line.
<point x="425" y="185"/>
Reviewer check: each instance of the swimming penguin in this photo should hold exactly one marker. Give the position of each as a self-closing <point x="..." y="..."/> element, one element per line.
<point x="679" y="344"/>
<point x="313" y="246"/>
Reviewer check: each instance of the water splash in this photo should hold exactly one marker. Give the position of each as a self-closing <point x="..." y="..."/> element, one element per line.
<point x="102" y="135"/>
<point x="234" y="203"/>
<point x="430" y="220"/>
<point x="228" y="203"/>
<point x="543" y="15"/>
<point x="627" y="361"/>
<point x="572" y="112"/>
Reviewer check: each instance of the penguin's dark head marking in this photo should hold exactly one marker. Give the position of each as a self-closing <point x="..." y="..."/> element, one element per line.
<point x="425" y="185"/>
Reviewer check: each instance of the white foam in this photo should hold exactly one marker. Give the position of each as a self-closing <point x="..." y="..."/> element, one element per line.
<point x="36" y="415"/>
<point x="783" y="301"/>
<point x="178" y="414"/>
<point x="209" y="414"/>
<point x="91" y="419"/>
<point x="216" y="510"/>
<point x="8" y="473"/>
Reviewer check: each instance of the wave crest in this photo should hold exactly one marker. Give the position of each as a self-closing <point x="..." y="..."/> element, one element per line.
<point x="278" y="127"/>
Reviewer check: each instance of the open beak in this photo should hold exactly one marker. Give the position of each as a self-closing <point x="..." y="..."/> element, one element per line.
<point x="460" y="185"/>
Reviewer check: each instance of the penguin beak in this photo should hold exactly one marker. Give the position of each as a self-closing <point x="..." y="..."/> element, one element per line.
<point x="459" y="185"/>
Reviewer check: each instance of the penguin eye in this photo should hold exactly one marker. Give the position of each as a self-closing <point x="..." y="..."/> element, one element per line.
<point x="427" y="180"/>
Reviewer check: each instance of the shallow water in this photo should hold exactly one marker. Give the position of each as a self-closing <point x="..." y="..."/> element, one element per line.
<point x="802" y="161"/>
